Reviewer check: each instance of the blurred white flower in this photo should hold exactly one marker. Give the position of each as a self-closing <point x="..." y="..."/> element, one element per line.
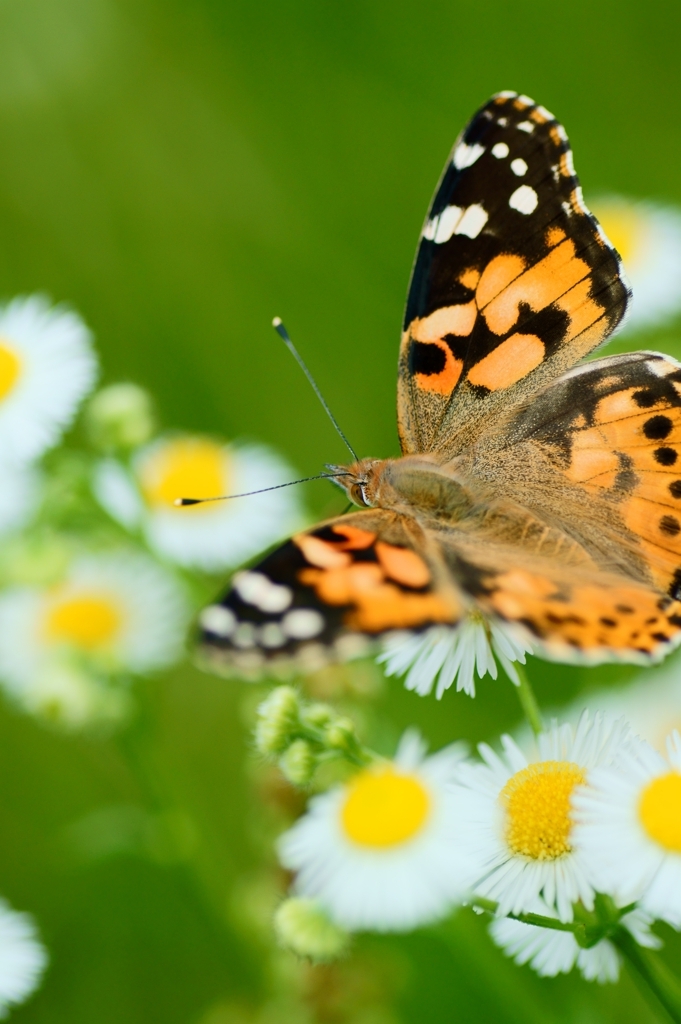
<point x="514" y="815"/>
<point x="213" y="536"/>
<point x="376" y="853"/>
<point x="22" y="958"/>
<point x="112" y="612"/>
<point x="550" y="952"/>
<point x="66" y="696"/>
<point x="19" y="495"/>
<point x="47" y="366"/>
<point x="648" y="238"/>
<point x="628" y="825"/>
<point x="442" y="654"/>
<point x="651" y="702"/>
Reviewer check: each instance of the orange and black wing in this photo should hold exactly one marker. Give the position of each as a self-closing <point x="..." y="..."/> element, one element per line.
<point x="514" y="280"/>
<point x="324" y="594"/>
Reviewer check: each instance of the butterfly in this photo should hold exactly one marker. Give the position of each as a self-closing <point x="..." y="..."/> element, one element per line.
<point x="534" y="489"/>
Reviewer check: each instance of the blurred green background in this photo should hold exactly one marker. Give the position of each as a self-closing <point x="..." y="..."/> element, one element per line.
<point x="181" y="172"/>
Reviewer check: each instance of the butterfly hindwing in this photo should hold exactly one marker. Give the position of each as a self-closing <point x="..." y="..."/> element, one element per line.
<point x="568" y="613"/>
<point x="514" y="280"/>
<point x="612" y="428"/>
<point x="324" y="593"/>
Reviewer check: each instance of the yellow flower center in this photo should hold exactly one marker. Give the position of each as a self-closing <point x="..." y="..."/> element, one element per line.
<point x="10" y="369"/>
<point x="185" y="468"/>
<point x="384" y="807"/>
<point x="660" y="811"/>
<point x="89" y="621"/>
<point x="537" y="803"/>
<point x="623" y="226"/>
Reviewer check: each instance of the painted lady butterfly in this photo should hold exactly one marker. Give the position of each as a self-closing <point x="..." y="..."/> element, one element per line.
<point x="531" y="491"/>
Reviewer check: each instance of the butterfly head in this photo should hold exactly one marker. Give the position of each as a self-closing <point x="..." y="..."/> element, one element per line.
<point x="360" y="480"/>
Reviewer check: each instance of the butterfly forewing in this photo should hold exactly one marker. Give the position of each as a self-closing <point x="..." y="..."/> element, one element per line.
<point x="514" y="280"/>
<point x="321" y="594"/>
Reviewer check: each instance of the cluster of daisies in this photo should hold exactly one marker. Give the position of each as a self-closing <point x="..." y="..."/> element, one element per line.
<point x="569" y="839"/>
<point x="100" y="572"/>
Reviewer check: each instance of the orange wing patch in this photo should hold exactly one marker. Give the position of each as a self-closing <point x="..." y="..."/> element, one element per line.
<point x="601" y="619"/>
<point x="391" y="591"/>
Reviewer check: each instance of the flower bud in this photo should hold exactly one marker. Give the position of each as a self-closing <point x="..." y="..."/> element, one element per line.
<point x="278" y="719"/>
<point x="302" y="926"/>
<point x="340" y="735"/>
<point x="298" y="763"/>
<point x="317" y="715"/>
<point x="120" y="416"/>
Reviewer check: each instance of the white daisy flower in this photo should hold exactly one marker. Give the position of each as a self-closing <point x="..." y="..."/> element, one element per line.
<point x="47" y="366"/>
<point x="22" y="958"/>
<point x="648" y="238"/>
<point x="113" y="612"/>
<point x="514" y="816"/>
<point x="19" y="495"/>
<point x="376" y="853"/>
<point x="214" y="536"/>
<point x="652" y="700"/>
<point x="550" y="952"/>
<point x="442" y="654"/>
<point x="628" y="825"/>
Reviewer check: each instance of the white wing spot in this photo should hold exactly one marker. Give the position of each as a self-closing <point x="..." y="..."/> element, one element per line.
<point x="524" y="199"/>
<point x="526" y="100"/>
<point x="500" y="150"/>
<point x="255" y="588"/>
<point x="446" y="223"/>
<point x="506" y="94"/>
<point x="567" y="209"/>
<point x="465" y="156"/>
<point x="472" y="222"/>
<point x="302" y="623"/>
<point x="545" y="113"/>
<point x="217" y="619"/>
<point x="525" y="126"/>
<point x="519" y="167"/>
<point x="272" y="635"/>
<point x="244" y="635"/>
<point x="503" y="121"/>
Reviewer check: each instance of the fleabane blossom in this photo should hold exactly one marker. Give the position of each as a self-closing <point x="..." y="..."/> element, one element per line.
<point x="47" y="366"/>
<point x="19" y="495"/>
<point x="550" y="952"/>
<point x="628" y="825"/>
<point x="442" y="655"/>
<point x="212" y="536"/>
<point x="648" y="238"/>
<point x="22" y="958"/>
<point x="118" y="612"/>
<point x="514" y="820"/>
<point x="376" y="853"/>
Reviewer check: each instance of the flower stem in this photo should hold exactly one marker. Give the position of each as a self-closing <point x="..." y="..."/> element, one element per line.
<point x="652" y="975"/>
<point x="528" y="701"/>
<point x="539" y="920"/>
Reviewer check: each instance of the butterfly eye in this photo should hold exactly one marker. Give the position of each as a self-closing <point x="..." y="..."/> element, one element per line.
<point x="363" y="494"/>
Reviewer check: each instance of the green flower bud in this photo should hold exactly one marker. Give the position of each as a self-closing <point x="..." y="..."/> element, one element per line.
<point x="317" y="715"/>
<point x="341" y="735"/>
<point x="278" y="720"/>
<point x="298" y="763"/>
<point x="302" y="926"/>
<point x="120" y="416"/>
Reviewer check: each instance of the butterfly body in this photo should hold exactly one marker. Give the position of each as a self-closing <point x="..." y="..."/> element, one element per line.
<point x="533" y="490"/>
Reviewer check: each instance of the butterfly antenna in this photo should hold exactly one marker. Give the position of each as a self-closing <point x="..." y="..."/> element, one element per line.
<point x="284" y="335"/>
<point x="180" y="502"/>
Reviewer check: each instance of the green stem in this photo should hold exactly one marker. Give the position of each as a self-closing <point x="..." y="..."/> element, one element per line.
<point x="528" y="701"/>
<point x="536" y="919"/>
<point x="653" y="977"/>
